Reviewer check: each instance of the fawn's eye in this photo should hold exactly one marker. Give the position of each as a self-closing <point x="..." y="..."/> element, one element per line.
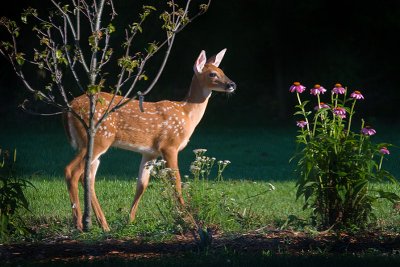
<point x="212" y="75"/>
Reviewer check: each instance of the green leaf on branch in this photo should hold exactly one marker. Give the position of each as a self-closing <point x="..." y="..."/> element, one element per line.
<point x="166" y="17"/>
<point x="111" y="28"/>
<point x="19" y="57"/>
<point x="146" y="11"/>
<point x="38" y="95"/>
<point x="135" y="27"/>
<point x="24" y="19"/>
<point x="45" y="41"/>
<point x="6" y="46"/>
<point x="150" y="8"/>
<point x="128" y="63"/>
<point x="101" y="100"/>
<point x="46" y="26"/>
<point x="28" y="12"/>
<point x="152" y="48"/>
<point x="203" y="8"/>
<point x="143" y="77"/>
<point x="59" y="54"/>
<point x="92" y="41"/>
<point x="49" y="87"/>
<point x="95" y="88"/>
<point x="108" y="53"/>
<point x="65" y="8"/>
<point x="10" y="25"/>
<point x="60" y="57"/>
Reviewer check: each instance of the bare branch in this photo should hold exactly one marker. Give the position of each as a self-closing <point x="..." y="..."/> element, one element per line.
<point x="29" y="111"/>
<point x="74" y="33"/>
<point x="71" y="63"/>
<point x="96" y="32"/>
<point x="113" y="13"/>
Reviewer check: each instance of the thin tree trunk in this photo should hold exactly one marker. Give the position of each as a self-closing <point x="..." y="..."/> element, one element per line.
<point x="87" y="214"/>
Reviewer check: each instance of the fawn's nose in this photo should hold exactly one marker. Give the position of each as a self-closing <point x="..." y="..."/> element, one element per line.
<point x="231" y="86"/>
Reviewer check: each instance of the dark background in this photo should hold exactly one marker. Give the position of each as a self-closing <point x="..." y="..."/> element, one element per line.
<point x="271" y="44"/>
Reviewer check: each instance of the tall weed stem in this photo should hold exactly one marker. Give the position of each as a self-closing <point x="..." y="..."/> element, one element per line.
<point x="350" y="117"/>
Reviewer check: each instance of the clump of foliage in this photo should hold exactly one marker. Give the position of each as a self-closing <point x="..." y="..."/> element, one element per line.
<point x="12" y="197"/>
<point x="337" y="168"/>
<point x="191" y="215"/>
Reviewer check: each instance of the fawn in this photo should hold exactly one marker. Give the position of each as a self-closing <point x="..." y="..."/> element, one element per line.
<point x="162" y="129"/>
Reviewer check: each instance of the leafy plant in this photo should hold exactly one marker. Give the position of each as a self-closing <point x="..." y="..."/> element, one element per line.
<point x="12" y="196"/>
<point x="198" y="206"/>
<point x="336" y="167"/>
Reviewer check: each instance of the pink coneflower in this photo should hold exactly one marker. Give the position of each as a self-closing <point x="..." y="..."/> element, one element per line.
<point x="338" y="89"/>
<point x="340" y="112"/>
<point x="318" y="89"/>
<point x="321" y="105"/>
<point x="368" y="131"/>
<point x="301" y="124"/>
<point x="384" y="151"/>
<point x="357" y="95"/>
<point x="297" y="87"/>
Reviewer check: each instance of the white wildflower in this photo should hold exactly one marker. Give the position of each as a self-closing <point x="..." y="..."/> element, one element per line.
<point x="199" y="151"/>
<point x="271" y="186"/>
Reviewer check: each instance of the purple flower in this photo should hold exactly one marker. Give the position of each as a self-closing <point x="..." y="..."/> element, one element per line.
<point x="301" y="124"/>
<point x="368" y="131"/>
<point x="338" y="89"/>
<point x="318" y="89"/>
<point x="384" y="151"/>
<point x="321" y="105"/>
<point x="297" y="87"/>
<point x="357" y="95"/>
<point x="340" y="112"/>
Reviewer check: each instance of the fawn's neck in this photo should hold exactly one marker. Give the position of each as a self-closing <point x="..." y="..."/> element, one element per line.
<point x="195" y="102"/>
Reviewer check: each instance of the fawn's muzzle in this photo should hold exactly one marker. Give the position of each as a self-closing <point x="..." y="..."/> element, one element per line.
<point x="231" y="86"/>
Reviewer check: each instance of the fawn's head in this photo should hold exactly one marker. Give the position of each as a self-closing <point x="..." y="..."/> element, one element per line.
<point x="210" y="75"/>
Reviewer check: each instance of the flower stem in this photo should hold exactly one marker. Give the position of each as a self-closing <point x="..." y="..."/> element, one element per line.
<point x="304" y="112"/>
<point x="350" y="117"/>
<point x="380" y="163"/>
<point x="305" y="139"/>
<point x="361" y="137"/>
<point x="316" y="117"/>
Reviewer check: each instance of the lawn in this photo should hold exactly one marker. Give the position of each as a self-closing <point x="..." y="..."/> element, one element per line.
<point x="256" y="153"/>
<point x="243" y="203"/>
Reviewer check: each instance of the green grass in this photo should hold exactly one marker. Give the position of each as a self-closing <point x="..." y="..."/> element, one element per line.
<point x="256" y="153"/>
<point x="234" y="206"/>
<point x="220" y="201"/>
<point x="260" y="152"/>
<point x="259" y="155"/>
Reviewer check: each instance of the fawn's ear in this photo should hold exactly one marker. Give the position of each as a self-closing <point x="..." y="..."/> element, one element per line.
<point x="200" y="62"/>
<point x="216" y="60"/>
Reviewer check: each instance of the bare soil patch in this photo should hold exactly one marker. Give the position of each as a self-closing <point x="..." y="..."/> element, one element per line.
<point x="272" y="241"/>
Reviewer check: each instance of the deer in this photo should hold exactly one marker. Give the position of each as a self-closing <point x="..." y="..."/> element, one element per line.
<point x="157" y="129"/>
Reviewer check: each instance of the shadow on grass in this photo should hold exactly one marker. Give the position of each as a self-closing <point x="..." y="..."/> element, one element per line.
<point x="257" y="151"/>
